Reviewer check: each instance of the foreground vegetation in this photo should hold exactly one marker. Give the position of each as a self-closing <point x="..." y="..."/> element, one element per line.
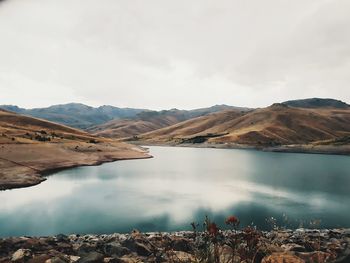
<point x="207" y="244"/>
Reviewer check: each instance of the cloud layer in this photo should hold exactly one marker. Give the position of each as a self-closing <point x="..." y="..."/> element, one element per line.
<point x="163" y="54"/>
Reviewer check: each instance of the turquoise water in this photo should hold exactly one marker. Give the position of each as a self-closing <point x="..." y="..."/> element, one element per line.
<point x="182" y="185"/>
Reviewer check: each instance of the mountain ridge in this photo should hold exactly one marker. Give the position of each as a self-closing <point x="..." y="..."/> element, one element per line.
<point x="147" y="121"/>
<point x="317" y="103"/>
<point x="76" y="115"/>
<point x="278" y="124"/>
<point x="115" y="122"/>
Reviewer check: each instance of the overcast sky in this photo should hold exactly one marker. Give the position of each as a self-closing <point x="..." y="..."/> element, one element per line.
<point x="173" y="53"/>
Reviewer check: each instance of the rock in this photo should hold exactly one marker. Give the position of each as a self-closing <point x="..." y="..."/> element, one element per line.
<point x="112" y="260"/>
<point x="92" y="257"/>
<point x="225" y="254"/>
<point x="62" y="238"/>
<point x="258" y="257"/>
<point x="39" y="259"/>
<point x="115" y="249"/>
<point x="335" y="233"/>
<point x="282" y="258"/>
<point x="183" y="256"/>
<point x="315" y="257"/>
<point x="73" y="258"/>
<point x="21" y="255"/>
<point x="142" y="249"/>
<point x="84" y="249"/>
<point x="181" y="244"/>
<point x="65" y="248"/>
<point x="346" y="232"/>
<point x="56" y="260"/>
<point x="32" y="243"/>
<point x="129" y="259"/>
<point x="344" y="259"/>
<point x="293" y="247"/>
<point x="139" y="245"/>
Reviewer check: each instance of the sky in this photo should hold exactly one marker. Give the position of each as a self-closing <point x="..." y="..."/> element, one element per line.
<point x="162" y="54"/>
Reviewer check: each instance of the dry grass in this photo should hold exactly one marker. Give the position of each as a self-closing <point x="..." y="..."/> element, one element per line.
<point x="274" y="125"/>
<point x="30" y="147"/>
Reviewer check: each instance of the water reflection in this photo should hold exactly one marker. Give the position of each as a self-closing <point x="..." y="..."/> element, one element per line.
<point x="181" y="185"/>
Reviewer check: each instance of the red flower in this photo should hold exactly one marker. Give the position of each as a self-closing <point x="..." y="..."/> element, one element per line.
<point x="213" y="229"/>
<point x="232" y="220"/>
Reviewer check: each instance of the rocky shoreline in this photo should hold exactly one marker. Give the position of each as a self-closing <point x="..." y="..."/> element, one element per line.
<point x="300" y="245"/>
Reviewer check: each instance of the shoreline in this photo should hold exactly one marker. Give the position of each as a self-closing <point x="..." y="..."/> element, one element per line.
<point x="19" y="174"/>
<point x="33" y="172"/>
<point x="279" y="245"/>
<point x="45" y="173"/>
<point x="343" y="150"/>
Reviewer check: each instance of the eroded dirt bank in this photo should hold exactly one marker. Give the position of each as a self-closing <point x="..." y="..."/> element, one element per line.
<point x="23" y="165"/>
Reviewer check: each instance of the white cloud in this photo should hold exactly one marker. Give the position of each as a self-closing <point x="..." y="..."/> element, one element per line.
<point x="164" y="54"/>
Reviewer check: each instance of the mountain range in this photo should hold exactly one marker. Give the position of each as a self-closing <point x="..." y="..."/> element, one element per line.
<point x="147" y="121"/>
<point x="113" y="121"/>
<point x="278" y="124"/>
<point x="305" y="121"/>
<point x="76" y="115"/>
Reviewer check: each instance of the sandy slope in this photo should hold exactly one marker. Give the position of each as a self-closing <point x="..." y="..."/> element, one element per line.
<point x="31" y="147"/>
<point x="278" y="124"/>
<point x="274" y="126"/>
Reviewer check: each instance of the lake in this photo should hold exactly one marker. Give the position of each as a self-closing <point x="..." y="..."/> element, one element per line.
<point x="182" y="185"/>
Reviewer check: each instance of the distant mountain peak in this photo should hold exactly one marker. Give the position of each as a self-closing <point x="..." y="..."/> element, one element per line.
<point x="317" y="103"/>
<point x="279" y="105"/>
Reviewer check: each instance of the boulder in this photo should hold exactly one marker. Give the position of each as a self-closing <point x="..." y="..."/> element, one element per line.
<point x="315" y="257"/>
<point x="92" y="257"/>
<point x="112" y="260"/>
<point x="39" y="259"/>
<point x="282" y="258"/>
<point x="142" y="249"/>
<point x="56" y="260"/>
<point x="183" y="256"/>
<point x="115" y="249"/>
<point x="139" y="245"/>
<point x="84" y="249"/>
<point x="62" y="238"/>
<point x="73" y="259"/>
<point x="293" y="247"/>
<point x="181" y="244"/>
<point x="21" y="255"/>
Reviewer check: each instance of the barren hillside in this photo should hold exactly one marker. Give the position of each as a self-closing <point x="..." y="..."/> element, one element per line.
<point x="30" y="147"/>
<point x="152" y="120"/>
<point x="278" y="124"/>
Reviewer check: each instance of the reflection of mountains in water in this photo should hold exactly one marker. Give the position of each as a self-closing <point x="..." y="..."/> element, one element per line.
<point x="179" y="186"/>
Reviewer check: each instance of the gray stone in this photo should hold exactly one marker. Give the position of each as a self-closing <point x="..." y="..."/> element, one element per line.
<point x="84" y="249"/>
<point x="140" y="245"/>
<point x="92" y="257"/>
<point x="181" y="244"/>
<point x="21" y="255"/>
<point x="115" y="249"/>
<point x="56" y="260"/>
<point x="62" y="238"/>
<point x="293" y="247"/>
<point x="142" y="249"/>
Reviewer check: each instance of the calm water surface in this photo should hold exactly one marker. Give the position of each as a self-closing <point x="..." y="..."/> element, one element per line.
<point x="181" y="185"/>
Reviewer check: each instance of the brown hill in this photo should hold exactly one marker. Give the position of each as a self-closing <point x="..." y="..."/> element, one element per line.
<point x="151" y="120"/>
<point x="30" y="147"/>
<point x="278" y="124"/>
<point x="148" y="121"/>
